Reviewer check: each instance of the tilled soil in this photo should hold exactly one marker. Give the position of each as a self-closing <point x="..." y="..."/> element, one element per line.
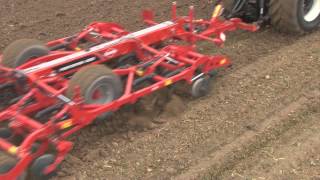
<point x="260" y="120"/>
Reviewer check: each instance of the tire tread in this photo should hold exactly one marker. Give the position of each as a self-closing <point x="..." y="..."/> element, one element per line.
<point x="11" y="52"/>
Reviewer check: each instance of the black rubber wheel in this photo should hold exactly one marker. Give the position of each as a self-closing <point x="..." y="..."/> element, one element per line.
<point x="201" y="87"/>
<point x="39" y="165"/>
<point x="5" y="167"/>
<point x="5" y="133"/>
<point x="20" y="51"/>
<point x="98" y="85"/>
<point x="295" y="15"/>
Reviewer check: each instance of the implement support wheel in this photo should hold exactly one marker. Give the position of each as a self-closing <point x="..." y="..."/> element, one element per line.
<point x="5" y="133"/>
<point x="21" y="51"/>
<point x="201" y="87"/>
<point x="39" y="165"/>
<point x="7" y="166"/>
<point x="98" y="85"/>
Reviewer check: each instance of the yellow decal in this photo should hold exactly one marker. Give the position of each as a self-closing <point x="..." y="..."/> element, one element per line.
<point x="13" y="150"/>
<point x="140" y="72"/>
<point x="66" y="124"/>
<point x="217" y="11"/>
<point x="77" y="49"/>
<point x="168" y="82"/>
<point x="223" y="61"/>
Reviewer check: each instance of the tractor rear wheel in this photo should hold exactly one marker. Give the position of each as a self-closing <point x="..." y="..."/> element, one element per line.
<point x="21" y="51"/>
<point x="228" y="5"/>
<point x="295" y="15"/>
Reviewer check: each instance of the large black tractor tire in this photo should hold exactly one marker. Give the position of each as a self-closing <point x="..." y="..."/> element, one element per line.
<point x="96" y="78"/>
<point x="295" y="15"/>
<point x="20" y="51"/>
<point x="228" y="6"/>
<point x="244" y="9"/>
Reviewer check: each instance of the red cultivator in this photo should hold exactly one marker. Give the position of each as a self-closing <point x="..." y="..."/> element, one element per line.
<point x="65" y="85"/>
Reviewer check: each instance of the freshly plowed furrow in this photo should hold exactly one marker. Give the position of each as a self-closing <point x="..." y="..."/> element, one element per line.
<point x="295" y="155"/>
<point x="315" y="84"/>
<point x="294" y="63"/>
<point x="241" y="148"/>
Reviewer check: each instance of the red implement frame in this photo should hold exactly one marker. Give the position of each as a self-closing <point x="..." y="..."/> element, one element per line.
<point x="42" y="82"/>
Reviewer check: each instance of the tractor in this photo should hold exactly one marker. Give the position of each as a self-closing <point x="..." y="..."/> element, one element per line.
<point x="290" y="16"/>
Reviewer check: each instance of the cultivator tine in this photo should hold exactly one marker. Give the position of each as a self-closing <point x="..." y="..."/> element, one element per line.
<point x="48" y="110"/>
<point x="148" y="17"/>
<point x="143" y="79"/>
<point x="174" y="11"/>
<point x="175" y="72"/>
<point x="15" y="100"/>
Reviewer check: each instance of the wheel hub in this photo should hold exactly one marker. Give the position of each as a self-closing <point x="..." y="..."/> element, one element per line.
<point x="101" y="95"/>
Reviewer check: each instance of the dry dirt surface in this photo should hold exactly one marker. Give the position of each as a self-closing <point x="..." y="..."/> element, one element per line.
<point x="261" y="119"/>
